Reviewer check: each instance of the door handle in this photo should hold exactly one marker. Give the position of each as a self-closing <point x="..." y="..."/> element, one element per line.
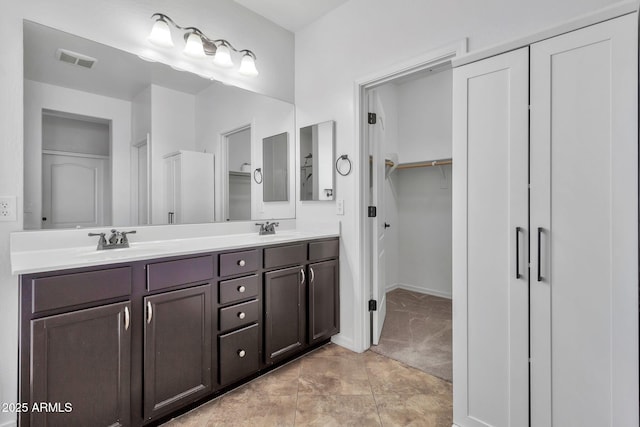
<point x="540" y="278"/>
<point x="313" y="274"/>
<point x="303" y="276"/>
<point x="518" y="230"/>
<point x="149" y="312"/>
<point x="127" y="318"/>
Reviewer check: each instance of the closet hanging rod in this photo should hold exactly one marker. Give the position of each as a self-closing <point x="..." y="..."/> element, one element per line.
<point x="442" y="162"/>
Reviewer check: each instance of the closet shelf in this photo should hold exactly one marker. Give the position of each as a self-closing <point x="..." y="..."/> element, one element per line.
<point x="441" y="162"/>
<point x="237" y="173"/>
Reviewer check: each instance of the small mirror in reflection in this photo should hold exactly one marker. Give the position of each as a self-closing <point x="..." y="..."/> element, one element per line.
<point x="275" y="159"/>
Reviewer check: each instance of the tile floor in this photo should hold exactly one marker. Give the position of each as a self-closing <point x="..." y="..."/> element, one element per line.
<point x="417" y="331"/>
<point x="332" y="386"/>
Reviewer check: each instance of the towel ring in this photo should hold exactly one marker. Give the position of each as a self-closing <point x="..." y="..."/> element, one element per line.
<point x="343" y="157"/>
<point x="256" y="173"/>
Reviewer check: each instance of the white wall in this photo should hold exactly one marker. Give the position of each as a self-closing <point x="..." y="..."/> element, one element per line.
<point x="364" y="37"/>
<point x="123" y="24"/>
<point x="424" y="118"/>
<point x="39" y="96"/>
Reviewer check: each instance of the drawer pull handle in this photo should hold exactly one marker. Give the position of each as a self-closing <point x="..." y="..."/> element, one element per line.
<point x="313" y="274"/>
<point x="127" y="318"/>
<point x="241" y="353"/>
<point x="241" y="289"/>
<point x="303" y="276"/>
<point x="242" y="263"/>
<point x="149" y="312"/>
<point x="241" y="315"/>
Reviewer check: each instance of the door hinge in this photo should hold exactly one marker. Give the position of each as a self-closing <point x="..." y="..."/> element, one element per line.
<point x="372" y="212"/>
<point x="373" y="305"/>
<point x="372" y="118"/>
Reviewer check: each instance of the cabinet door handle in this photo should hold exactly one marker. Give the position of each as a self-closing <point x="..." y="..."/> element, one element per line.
<point x="241" y="315"/>
<point x="149" y="312"/>
<point x="127" y="318"/>
<point x="540" y="278"/>
<point x="313" y="274"/>
<point x="303" y="276"/>
<point x="241" y="353"/>
<point x="241" y="289"/>
<point x="518" y="230"/>
<point x="242" y="263"/>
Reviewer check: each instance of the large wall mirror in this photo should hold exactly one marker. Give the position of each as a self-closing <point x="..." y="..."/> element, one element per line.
<point x="317" y="147"/>
<point x="111" y="139"/>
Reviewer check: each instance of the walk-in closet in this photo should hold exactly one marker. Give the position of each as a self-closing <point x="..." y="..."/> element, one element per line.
<point x="411" y="133"/>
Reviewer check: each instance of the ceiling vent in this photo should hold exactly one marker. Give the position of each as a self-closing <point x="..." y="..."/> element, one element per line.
<point x="75" y="58"/>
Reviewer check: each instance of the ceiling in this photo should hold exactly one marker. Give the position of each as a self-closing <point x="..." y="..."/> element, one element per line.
<point x="117" y="74"/>
<point x="291" y="14"/>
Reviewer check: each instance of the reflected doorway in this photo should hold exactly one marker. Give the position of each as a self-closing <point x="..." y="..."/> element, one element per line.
<point x="76" y="165"/>
<point x="237" y="174"/>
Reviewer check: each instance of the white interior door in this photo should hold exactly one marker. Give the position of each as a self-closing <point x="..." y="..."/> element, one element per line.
<point x="73" y="191"/>
<point x="376" y="150"/>
<point x="490" y="227"/>
<point x="584" y="202"/>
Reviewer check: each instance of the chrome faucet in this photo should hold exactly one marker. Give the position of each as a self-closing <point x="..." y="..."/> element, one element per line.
<point x="117" y="240"/>
<point x="268" y="228"/>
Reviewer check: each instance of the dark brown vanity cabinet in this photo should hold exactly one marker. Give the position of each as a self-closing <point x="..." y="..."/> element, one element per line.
<point x="177" y="348"/>
<point x="324" y="300"/>
<point x="133" y="343"/>
<point x="285" y="312"/>
<point x="82" y="362"/>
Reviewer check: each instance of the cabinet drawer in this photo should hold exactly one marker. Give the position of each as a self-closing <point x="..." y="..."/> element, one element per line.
<point x="80" y="288"/>
<point x="238" y="289"/>
<point x="166" y="274"/>
<point x="324" y="250"/>
<point x="239" y="315"/>
<point x="285" y="255"/>
<point x="238" y="262"/>
<point x="239" y="354"/>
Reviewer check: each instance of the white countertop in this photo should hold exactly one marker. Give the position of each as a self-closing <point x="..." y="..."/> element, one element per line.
<point x="29" y="258"/>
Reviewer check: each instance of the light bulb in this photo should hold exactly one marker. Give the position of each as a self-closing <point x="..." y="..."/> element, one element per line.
<point x="248" y="66"/>
<point x="194" y="48"/>
<point x="223" y="57"/>
<point x="161" y="34"/>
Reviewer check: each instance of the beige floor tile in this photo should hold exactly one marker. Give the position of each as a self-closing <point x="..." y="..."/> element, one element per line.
<point x="415" y="410"/>
<point x="235" y="410"/>
<point x="336" y="411"/>
<point x="333" y="376"/>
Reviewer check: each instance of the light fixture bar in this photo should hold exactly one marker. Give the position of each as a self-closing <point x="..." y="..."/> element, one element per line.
<point x="198" y="45"/>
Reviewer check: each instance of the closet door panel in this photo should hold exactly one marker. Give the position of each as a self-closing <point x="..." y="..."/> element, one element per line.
<point x="584" y="201"/>
<point x="490" y="151"/>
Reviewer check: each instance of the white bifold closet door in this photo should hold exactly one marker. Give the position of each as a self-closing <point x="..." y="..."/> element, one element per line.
<point x="584" y="213"/>
<point x="490" y="219"/>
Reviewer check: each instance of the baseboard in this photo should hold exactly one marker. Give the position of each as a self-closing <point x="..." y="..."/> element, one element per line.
<point x="344" y="342"/>
<point x="420" y="290"/>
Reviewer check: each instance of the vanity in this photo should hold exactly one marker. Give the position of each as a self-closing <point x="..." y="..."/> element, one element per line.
<point x="133" y="340"/>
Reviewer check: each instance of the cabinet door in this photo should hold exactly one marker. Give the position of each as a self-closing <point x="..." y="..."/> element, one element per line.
<point x="324" y="300"/>
<point x="490" y="210"/>
<point x="82" y="359"/>
<point x="584" y="202"/>
<point x="177" y="349"/>
<point x="284" y="292"/>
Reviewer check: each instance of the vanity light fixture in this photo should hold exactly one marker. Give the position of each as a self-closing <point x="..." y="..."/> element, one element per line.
<point x="198" y="45"/>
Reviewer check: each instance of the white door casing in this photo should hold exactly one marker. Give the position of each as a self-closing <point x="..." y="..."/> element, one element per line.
<point x="490" y="209"/>
<point x="584" y="200"/>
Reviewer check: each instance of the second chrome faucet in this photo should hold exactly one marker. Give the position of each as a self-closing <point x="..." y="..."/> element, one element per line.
<point x="117" y="240"/>
<point x="267" y="228"/>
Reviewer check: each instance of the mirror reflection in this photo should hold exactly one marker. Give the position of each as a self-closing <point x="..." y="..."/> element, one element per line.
<point x="111" y="139"/>
<point x="316" y="161"/>
<point x="275" y="151"/>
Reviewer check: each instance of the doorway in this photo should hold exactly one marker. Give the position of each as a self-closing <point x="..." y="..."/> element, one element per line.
<point x="408" y="178"/>
<point x="236" y="170"/>
<point x="76" y="170"/>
